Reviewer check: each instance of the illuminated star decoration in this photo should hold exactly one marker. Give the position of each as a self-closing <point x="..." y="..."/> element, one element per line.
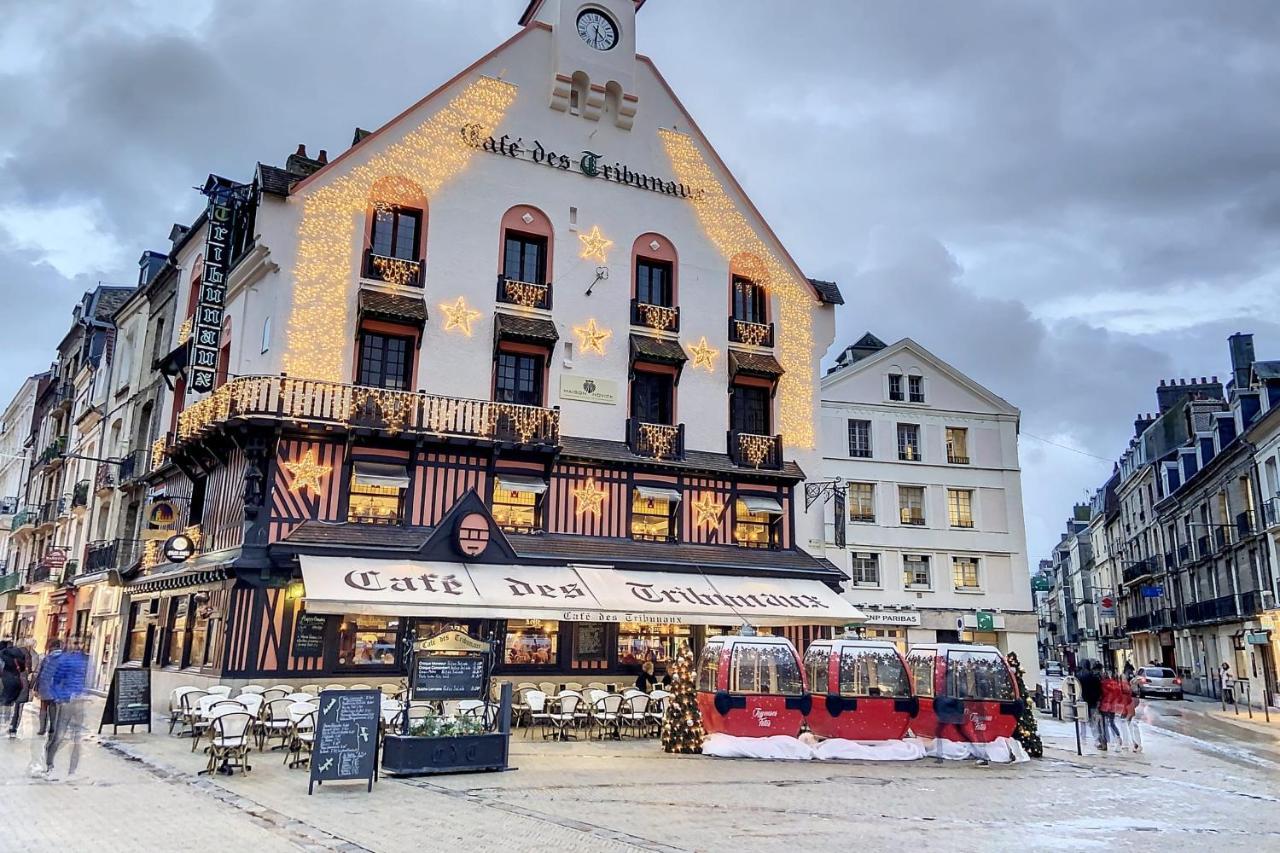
<point x="707" y="511"/>
<point x="307" y="474"/>
<point x="459" y="316"/>
<point x="591" y="337"/>
<point x="595" y="245"/>
<point x="590" y="498"/>
<point x="704" y="355"/>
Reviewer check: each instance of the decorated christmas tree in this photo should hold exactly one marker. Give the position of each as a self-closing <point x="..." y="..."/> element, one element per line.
<point x="1026" y="732"/>
<point x="682" y="723"/>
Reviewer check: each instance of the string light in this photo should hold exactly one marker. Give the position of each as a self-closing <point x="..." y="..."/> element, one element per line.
<point x="525" y="293"/>
<point x="752" y="334"/>
<point x="591" y="338"/>
<point x="307" y="474"/>
<point x="588" y="498"/>
<point x="184" y="331"/>
<point x="754" y="448"/>
<point x="658" y="316"/>
<point x="735" y="238"/>
<point x="707" y="511"/>
<point x="395" y="270"/>
<point x="682" y="730"/>
<point x="157" y="452"/>
<point x="459" y="316"/>
<point x="660" y="439"/>
<point x="595" y="245"/>
<point x="421" y="162"/>
<point x="704" y="355"/>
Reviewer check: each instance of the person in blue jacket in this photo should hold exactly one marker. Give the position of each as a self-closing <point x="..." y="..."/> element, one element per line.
<point x="66" y="692"/>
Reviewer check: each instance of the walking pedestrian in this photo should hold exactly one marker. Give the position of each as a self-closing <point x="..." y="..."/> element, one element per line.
<point x="1130" y="715"/>
<point x="1090" y="679"/>
<point x="66" y="719"/>
<point x="1128" y="669"/>
<point x="13" y="672"/>
<point x="25" y="670"/>
<point x="1111" y="704"/>
<point x="1228" y="684"/>
<point x="44" y="683"/>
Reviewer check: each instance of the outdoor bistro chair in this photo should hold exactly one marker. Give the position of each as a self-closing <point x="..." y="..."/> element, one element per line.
<point x="592" y="694"/>
<point x="229" y="741"/>
<point x="285" y="687"/>
<point x="526" y="685"/>
<point x="575" y="686"/>
<point x="567" y="714"/>
<point x="302" y="733"/>
<point x="469" y="707"/>
<point x="274" y="693"/>
<point x="313" y="689"/>
<point x="597" y="685"/>
<point x="451" y="707"/>
<point x="252" y="688"/>
<point x="520" y="706"/>
<point x="605" y="713"/>
<point x="207" y="709"/>
<point x="537" y="715"/>
<point x="187" y="716"/>
<point x="223" y="689"/>
<point x="359" y="686"/>
<point x="335" y="687"/>
<point x="175" y="704"/>
<point x="387" y="688"/>
<point x="657" y="708"/>
<point x="302" y="696"/>
<point x="635" y="713"/>
<point x="548" y="687"/>
<point x="252" y="702"/>
<point x="276" y="722"/>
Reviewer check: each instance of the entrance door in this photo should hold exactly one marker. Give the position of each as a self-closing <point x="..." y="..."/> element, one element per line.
<point x="1268" y="672"/>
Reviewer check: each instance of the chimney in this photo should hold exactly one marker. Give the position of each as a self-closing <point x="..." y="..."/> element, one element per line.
<point x="1241" y="346"/>
<point x="324" y="156"/>
<point x="299" y="164"/>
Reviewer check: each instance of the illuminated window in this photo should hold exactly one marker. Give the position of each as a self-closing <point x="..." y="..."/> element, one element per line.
<point x="911" y="505"/>
<point x="909" y="442"/>
<point x="958" y="445"/>
<point x="872" y="672"/>
<point x="709" y="666"/>
<point x="516" y="501"/>
<point x="139" y="620"/>
<point x="368" y="641"/>
<point x="964" y="571"/>
<point x="979" y="675"/>
<point x="377" y="493"/>
<point x="395" y="233"/>
<point x="653" y="513"/>
<point x="531" y="642"/>
<point x="960" y="507"/>
<point x="765" y="669"/>
<point x="639" y="642"/>
<point x="178" y="625"/>
<point x="915" y="571"/>
<point x="756" y="522"/>
<point x="750" y="301"/>
<point x="862" y="501"/>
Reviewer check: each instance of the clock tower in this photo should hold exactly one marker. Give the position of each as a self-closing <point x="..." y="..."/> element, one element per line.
<point x="593" y="70"/>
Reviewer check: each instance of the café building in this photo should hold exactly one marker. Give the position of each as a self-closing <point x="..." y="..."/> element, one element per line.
<point x="525" y="362"/>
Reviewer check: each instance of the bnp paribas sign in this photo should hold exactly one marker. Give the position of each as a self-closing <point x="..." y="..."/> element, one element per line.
<point x="587" y="163"/>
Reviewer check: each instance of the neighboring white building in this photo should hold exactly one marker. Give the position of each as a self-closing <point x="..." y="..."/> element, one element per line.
<point x="933" y="522"/>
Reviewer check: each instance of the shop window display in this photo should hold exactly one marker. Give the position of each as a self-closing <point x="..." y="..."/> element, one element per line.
<point x="531" y="642"/>
<point x="368" y="641"/>
<point x="639" y="642"/>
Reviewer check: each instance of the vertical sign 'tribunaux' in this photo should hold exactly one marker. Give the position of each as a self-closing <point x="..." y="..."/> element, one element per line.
<point x="225" y="200"/>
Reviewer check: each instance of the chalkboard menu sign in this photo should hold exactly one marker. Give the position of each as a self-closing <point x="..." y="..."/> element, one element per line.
<point x="128" y="699"/>
<point x="346" y="738"/>
<point x="308" y="636"/>
<point x="588" y="639"/>
<point x="448" y="677"/>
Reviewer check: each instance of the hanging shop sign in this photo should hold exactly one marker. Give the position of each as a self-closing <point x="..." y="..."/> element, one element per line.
<point x="179" y="548"/>
<point x="162" y="514"/>
<point x="586" y="163"/>
<point x="226" y="200"/>
<point x="1107" y="607"/>
<point x="1152" y="591"/>
<point x="586" y="389"/>
<point x="1257" y="638"/>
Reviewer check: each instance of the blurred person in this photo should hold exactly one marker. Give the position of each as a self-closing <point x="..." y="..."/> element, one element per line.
<point x="1130" y="716"/>
<point x="1090" y="679"/>
<point x="13" y="681"/>
<point x="1228" y="684"/>
<point x="1112" y="703"/>
<point x="66" y="718"/>
<point x="43" y="683"/>
<point x="1128" y="669"/>
<point x="27" y="675"/>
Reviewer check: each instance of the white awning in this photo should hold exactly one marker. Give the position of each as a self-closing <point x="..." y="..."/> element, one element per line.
<point x="653" y="493"/>
<point x="518" y="483"/>
<point x="768" y="506"/>
<point x="381" y="474"/>
<point x="341" y="585"/>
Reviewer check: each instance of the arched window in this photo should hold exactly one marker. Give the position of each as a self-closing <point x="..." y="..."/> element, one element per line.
<point x="395" y="240"/>
<point x="578" y="92"/>
<point x="524" y="265"/>
<point x="654" y="295"/>
<point x="749" y="302"/>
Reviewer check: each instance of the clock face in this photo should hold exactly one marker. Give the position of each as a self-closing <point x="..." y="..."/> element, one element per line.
<point x="597" y="30"/>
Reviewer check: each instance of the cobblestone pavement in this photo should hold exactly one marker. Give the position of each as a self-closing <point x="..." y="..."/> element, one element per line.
<point x="139" y="792"/>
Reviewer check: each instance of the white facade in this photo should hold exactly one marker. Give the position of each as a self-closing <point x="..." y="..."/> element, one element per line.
<point x="971" y="514"/>
<point x="15" y="462"/>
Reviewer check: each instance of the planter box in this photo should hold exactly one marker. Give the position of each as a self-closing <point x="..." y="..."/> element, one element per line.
<point x="406" y="755"/>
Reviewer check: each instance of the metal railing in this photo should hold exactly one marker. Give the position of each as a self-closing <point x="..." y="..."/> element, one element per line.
<point x="1251" y="603"/>
<point x="10" y="580"/>
<point x="665" y="318"/>
<point x="753" y="334"/>
<point x="280" y="398"/>
<point x="53" y="450"/>
<point x="1215" y="608"/>
<point x="104" y="478"/>
<point x="105" y="554"/>
<point x="957" y="460"/>
<point x="23" y="518"/>
<point x="1270" y="512"/>
<point x="48" y="512"/>
<point x="133" y="466"/>
<point x="526" y="294"/>
<point x="755" y="451"/>
<point x="80" y="494"/>
<point x="657" y="441"/>
<point x="1246" y="523"/>
<point x="400" y="271"/>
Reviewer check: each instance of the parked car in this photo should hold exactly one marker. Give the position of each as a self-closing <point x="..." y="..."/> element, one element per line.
<point x="1054" y="668"/>
<point x="1157" y="681"/>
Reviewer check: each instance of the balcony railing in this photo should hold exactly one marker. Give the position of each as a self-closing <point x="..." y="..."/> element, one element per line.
<point x="1224" y="607"/>
<point x="957" y="460"/>
<point x="10" y="580"/>
<point x="755" y="451"/>
<point x="24" y="518"/>
<point x="526" y="294"/>
<point x="133" y="466"/>
<point x="657" y="441"/>
<point x="53" y="450"/>
<point x="104" y="478"/>
<point x="1251" y="603"/>
<point x="80" y="494"/>
<point x="63" y="395"/>
<point x="1141" y="569"/>
<point x="911" y="518"/>
<point x="48" y="513"/>
<point x="107" y="554"/>
<point x="664" y="318"/>
<point x="1271" y="512"/>
<point x="398" y="271"/>
<point x="278" y="398"/>
<point x="753" y="334"/>
<point x="1160" y="618"/>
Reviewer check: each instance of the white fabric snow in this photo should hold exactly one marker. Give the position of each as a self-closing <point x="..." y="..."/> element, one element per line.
<point x="909" y="749"/>
<point x="776" y="746"/>
<point x="807" y="747"/>
<point x="1003" y="750"/>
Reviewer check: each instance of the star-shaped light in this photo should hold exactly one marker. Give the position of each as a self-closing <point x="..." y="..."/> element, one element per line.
<point x="704" y="355"/>
<point x="459" y="316"/>
<point x="590" y="498"/>
<point x="595" y="245"/>
<point x="591" y="337"/>
<point x="307" y="474"/>
<point x="707" y="511"/>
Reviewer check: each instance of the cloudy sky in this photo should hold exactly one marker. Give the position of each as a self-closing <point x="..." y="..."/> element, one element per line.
<point x="1068" y="201"/>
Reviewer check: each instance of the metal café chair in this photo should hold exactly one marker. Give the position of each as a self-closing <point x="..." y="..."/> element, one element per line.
<point x="538" y="713"/>
<point x="302" y="733"/>
<point x="229" y="741"/>
<point x="606" y="714"/>
<point x="635" y="713"/>
<point x="276" y="722"/>
<point x="567" y="714"/>
<point x="202" y="712"/>
<point x="175" y="704"/>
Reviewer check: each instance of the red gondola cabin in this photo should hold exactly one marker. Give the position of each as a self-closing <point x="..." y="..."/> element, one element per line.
<point x="860" y="688"/>
<point x="751" y="686"/>
<point x="966" y="692"/>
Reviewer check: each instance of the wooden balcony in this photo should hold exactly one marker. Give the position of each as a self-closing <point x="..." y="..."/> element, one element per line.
<point x="656" y="441"/>
<point x="755" y="451"/>
<point x="358" y="407"/>
<point x="526" y="294"/>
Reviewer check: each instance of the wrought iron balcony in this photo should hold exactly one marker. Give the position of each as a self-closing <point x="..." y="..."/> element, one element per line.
<point x="910" y="518"/>
<point x="107" y="554"/>
<point x="358" y="407"/>
<point x="752" y="334"/>
<point x="104" y="478"/>
<point x="1139" y="570"/>
<point x="10" y="581"/>
<point x="399" y="271"/>
<point x="80" y="494"/>
<point x="1223" y="607"/>
<point x="1246" y="524"/>
<point x="664" y="318"/>
<point x="957" y="460"/>
<point x="526" y="294"/>
<point x="1251" y="603"/>
<point x="1271" y="512"/>
<point x="657" y="441"/>
<point x="1160" y="618"/>
<point x="53" y="451"/>
<point x="48" y="513"/>
<point x="23" y="518"/>
<point x="749" y="450"/>
<point x="133" y="466"/>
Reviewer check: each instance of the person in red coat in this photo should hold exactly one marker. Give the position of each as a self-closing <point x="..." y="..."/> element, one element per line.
<point x="1112" y="703"/>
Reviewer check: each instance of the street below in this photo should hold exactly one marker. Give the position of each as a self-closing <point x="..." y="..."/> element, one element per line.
<point x="1202" y="779"/>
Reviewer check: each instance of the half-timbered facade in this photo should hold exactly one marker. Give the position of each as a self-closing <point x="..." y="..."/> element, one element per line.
<point x="636" y="393"/>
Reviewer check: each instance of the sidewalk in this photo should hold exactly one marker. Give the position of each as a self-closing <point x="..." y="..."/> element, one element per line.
<point x="1212" y="708"/>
